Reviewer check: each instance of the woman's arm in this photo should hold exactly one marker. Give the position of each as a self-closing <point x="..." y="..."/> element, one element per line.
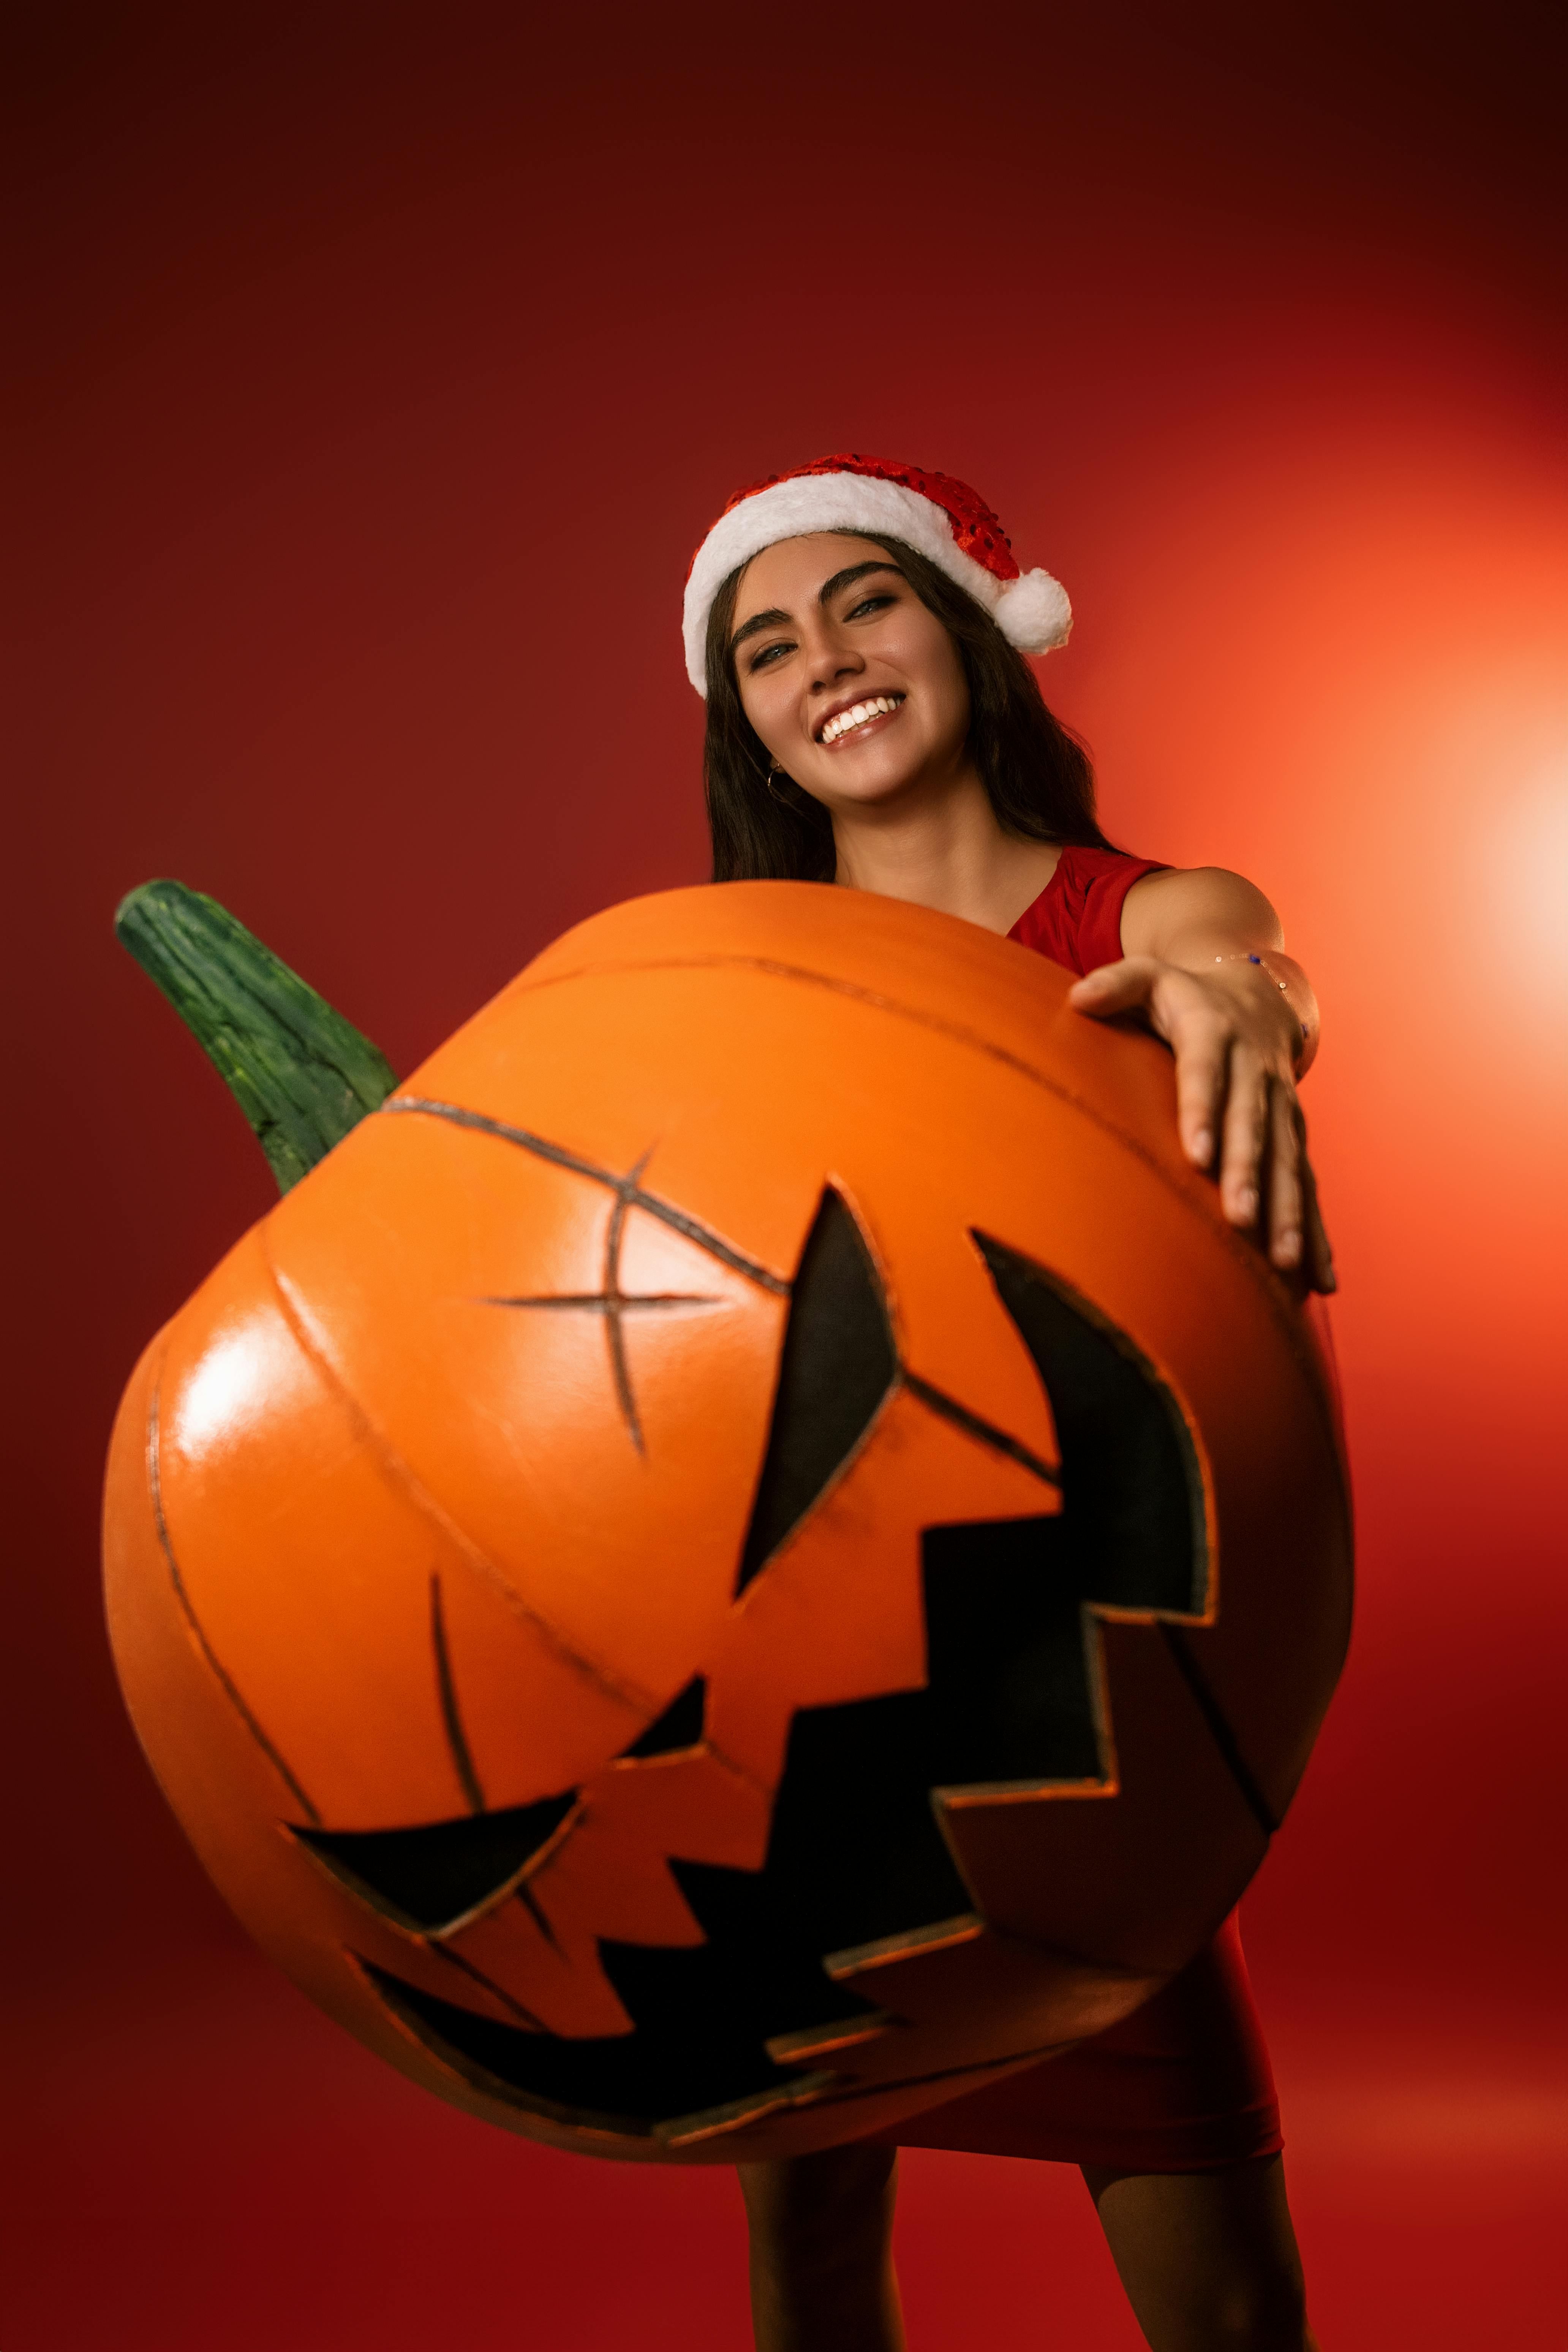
<point x="1203" y="961"/>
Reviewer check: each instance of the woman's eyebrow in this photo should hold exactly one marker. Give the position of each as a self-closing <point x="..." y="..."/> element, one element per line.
<point x="758" y="621"/>
<point x="856" y="571"/>
<point x="829" y="588"/>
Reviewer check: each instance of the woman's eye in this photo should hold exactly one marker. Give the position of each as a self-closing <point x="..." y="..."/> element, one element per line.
<point x="869" y="605"/>
<point x="760" y="661"/>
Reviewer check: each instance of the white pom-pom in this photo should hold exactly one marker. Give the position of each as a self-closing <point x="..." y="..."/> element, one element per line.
<point x="1033" y="612"/>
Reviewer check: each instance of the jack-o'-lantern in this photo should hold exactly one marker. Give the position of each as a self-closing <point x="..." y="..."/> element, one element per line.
<point x="749" y="1551"/>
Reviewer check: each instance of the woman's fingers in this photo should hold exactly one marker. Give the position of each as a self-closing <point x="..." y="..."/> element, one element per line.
<point x="1194" y="1030"/>
<point x="1115" y="988"/>
<point x="1246" y="1134"/>
<point x="1295" y="1234"/>
<point x="1319" y="1257"/>
<point x="1230" y="1088"/>
<point x="1286" y="1194"/>
<point x="1203" y="1051"/>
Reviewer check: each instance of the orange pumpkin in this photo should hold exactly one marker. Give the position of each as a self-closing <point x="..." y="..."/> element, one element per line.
<point x="750" y="1552"/>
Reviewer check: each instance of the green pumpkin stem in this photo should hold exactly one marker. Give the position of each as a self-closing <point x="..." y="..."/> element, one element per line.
<point x="301" y="1072"/>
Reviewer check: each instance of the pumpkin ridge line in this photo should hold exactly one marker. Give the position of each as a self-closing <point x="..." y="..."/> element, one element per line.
<point x="973" y="1425"/>
<point x="404" y="1480"/>
<point x="1220" y="1730"/>
<point x="531" y="2024"/>
<point x="198" y="1634"/>
<point x="629" y="1191"/>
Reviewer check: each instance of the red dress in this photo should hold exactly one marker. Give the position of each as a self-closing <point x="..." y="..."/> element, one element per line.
<point x="1183" y="2085"/>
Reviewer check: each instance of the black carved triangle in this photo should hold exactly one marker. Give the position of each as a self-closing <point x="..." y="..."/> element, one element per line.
<point x="1133" y="1494"/>
<point x="429" y="1877"/>
<point x="681" y="1724"/>
<point x="838" y="1366"/>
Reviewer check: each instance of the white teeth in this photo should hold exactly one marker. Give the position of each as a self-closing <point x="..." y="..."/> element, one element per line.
<point x="879" y="707"/>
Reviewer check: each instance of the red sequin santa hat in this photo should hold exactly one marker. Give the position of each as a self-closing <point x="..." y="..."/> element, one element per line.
<point x="878" y="498"/>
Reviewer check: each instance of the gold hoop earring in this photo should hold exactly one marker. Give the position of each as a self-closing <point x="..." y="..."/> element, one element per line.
<point x="775" y="769"/>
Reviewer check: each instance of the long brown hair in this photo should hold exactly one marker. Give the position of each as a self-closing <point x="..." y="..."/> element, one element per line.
<point x="1036" y="771"/>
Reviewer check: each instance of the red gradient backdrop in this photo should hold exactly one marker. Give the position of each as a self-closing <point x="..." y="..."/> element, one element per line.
<point x="377" y="369"/>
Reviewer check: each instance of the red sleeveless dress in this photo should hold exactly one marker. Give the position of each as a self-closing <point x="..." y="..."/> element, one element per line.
<point x="1183" y="2085"/>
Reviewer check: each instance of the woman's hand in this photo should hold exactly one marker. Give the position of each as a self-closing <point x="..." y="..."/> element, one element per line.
<point x="1235" y="1039"/>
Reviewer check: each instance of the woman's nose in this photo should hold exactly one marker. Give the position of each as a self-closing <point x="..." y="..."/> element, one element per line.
<point x="832" y="660"/>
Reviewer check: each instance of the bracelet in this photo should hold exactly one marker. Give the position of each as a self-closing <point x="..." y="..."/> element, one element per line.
<point x="1282" y="985"/>
<point x="1249" y="958"/>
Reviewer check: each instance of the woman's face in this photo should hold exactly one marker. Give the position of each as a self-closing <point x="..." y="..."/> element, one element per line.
<point x="854" y="686"/>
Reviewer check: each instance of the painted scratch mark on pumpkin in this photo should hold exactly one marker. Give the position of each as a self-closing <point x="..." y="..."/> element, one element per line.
<point x="620" y="1370"/>
<point x="155" y="1481"/>
<point x="628" y="1190"/>
<point x="612" y="1302"/>
<point x="457" y="1739"/>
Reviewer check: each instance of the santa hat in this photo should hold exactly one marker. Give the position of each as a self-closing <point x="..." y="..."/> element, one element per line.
<point x="878" y="498"/>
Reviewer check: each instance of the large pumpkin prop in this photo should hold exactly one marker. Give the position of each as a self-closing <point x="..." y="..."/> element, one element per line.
<point x="749" y="1552"/>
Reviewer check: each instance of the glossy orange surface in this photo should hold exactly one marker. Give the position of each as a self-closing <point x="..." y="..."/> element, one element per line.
<point x="433" y="1499"/>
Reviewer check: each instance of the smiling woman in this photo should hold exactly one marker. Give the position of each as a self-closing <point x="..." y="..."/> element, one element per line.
<point x="980" y="697"/>
<point x="871" y="723"/>
<point x="858" y="630"/>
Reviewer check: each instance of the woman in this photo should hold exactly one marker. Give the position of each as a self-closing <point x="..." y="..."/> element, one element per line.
<point x="858" y="628"/>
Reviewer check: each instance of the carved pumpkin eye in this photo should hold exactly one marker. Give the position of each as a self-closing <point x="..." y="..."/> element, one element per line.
<point x="1132" y="1496"/>
<point x="836" y="1370"/>
<point x="432" y="1878"/>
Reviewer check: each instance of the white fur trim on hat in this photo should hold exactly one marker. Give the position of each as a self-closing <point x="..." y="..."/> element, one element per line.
<point x="1032" y="611"/>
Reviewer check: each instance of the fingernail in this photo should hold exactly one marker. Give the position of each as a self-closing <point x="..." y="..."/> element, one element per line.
<point x="1246" y="1203"/>
<point x="1288" y="1249"/>
<point x="1202" y="1147"/>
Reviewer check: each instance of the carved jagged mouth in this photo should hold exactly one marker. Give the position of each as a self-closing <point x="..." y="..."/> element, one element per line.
<point x="856" y="1854"/>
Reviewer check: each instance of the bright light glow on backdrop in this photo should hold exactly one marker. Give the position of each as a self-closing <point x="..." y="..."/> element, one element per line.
<point x="1527" y="875"/>
<point x="1366" y="700"/>
<point x="379" y="373"/>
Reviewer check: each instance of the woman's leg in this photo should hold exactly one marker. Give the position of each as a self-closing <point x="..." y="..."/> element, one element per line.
<point x="822" y="2251"/>
<point x="1208" y="2259"/>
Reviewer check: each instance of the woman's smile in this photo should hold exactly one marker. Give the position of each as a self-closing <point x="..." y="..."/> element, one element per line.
<point x="848" y="721"/>
<point x="833" y="651"/>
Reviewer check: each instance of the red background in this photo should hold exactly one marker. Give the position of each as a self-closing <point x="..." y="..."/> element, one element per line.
<point x="378" y="368"/>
